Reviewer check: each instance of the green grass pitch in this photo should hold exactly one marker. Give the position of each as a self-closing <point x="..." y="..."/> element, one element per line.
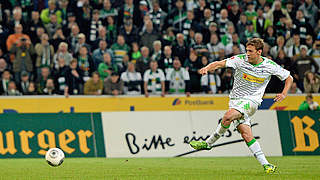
<point x="289" y="167"/>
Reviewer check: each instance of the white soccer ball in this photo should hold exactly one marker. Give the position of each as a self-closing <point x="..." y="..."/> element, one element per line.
<point x="55" y="156"/>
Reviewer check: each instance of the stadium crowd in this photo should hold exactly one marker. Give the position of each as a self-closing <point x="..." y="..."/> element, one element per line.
<point x="114" y="47"/>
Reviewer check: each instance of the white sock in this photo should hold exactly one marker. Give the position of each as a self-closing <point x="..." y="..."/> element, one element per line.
<point x="255" y="148"/>
<point x="217" y="134"/>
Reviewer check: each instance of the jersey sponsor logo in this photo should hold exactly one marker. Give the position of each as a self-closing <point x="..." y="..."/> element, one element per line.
<point x="251" y="78"/>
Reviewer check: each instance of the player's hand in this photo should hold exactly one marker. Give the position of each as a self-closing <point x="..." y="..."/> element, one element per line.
<point x="203" y="71"/>
<point x="279" y="97"/>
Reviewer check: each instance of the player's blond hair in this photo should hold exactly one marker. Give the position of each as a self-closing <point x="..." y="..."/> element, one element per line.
<point x="256" y="42"/>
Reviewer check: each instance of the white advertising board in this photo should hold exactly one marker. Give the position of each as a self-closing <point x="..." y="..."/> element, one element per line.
<point x="167" y="134"/>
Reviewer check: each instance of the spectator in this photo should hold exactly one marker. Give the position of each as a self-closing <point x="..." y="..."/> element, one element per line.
<point x="60" y="76"/>
<point x="176" y="17"/>
<point x="73" y="37"/>
<point x="226" y="81"/>
<point x="276" y="12"/>
<point x="81" y="42"/>
<point x="6" y="78"/>
<point x="45" y="53"/>
<point x="234" y="13"/>
<point x="31" y="89"/>
<point x="102" y="35"/>
<point x="132" y="80"/>
<point x="67" y="28"/>
<point x="49" y="88"/>
<point x="211" y="82"/>
<point x="57" y="38"/>
<point x="274" y="51"/>
<point x="250" y="12"/>
<point x="301" y="26"/>
<point x="94" y="25"/>
<point x="207" y="18"/>
<point x="128" y="9"/>
<point x="23" y="52"/>
<point x="107" y="10"/>
<point x="199" y="10"/>
<point x="283" y="60"/>
<point x="85" y="62"/>
<point x="226" y="39"/>
<point x="311" y="82"/>
<point x="142" y="63"/>
<point x="157" y="53"/>
<point x="12" y="89"/>
<point x="154" y="80"/>
<point x="180" y="48"/>
<point x="198" y="46"/>
<point x="23" y="86"/>
<point x="214" y="47"/>
<point x="52" y="9"/>
<point x="94" y="85"/>
<point x="310" y="11"/>
<point x="97" y="54"/>
<point x="129" y="31"/>
<point x="120" y="48"/>
<point x="149" y="36"/>
<point x="166" y="61"/>
<point x="106" y="67"/>
<point x="113" y="85"/>
<point x="178" y="78"/>
<point x="111" y="30"/>
<point x="63" y="53"/>
<point x="315" y="52"/>
<point x="223" y="22"/>
<point x="293" y="51"/>
<point x="192" y="65"/>
<point x="309" y="104"/>
<point x="74" y="80"/>
<point x="303" y="64"/>
<point x="3" y="65"/>
<point x="294" y="89"/>
<point x="42" y="79"/>
<point x="248" y="33"/>
<point x="235" y="41"/>
<point x="17" y="19"/>
<point x="260" y="23"/>
<point x="15" y="38"/>
<point x="241" y="25"/>
<point x="309" y="41"/>
<point x="52" y="26"/>
<point x="157" y="15"/>
<point x="33" y="24"/>
<point x="135" y="54"/>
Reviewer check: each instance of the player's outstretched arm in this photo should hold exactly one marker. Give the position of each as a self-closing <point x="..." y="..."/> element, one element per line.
<point x="212" y="66"/>
<point x="287" y="86"/>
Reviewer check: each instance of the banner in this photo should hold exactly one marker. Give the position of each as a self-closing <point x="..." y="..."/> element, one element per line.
<point x="299" y="131"/>
<point x="167" y="134"/>
<point x="31" y="135"/>
<point x="87" y="104"/>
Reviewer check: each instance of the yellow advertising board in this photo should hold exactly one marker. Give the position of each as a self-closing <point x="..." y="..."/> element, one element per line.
<point x="41" y="104"/>
<point x="105" y="104"/>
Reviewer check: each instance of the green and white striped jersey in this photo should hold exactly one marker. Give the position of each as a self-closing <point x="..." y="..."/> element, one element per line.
<point x="250" y="81"/>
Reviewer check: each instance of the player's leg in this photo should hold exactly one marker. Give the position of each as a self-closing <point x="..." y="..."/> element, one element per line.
<point x="229" y="116"/>
<point x="254" y="146"/>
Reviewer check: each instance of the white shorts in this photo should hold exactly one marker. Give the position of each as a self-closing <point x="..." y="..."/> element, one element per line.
<point x="244" y="106"/>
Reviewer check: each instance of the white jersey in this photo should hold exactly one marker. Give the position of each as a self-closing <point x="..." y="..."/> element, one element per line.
<point x="250" y="81"/>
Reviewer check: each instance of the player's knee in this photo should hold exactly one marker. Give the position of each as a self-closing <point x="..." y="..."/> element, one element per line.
<point x="246" y="136"/>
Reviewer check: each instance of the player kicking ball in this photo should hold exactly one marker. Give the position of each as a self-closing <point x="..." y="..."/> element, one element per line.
<point x="252" y="74"/>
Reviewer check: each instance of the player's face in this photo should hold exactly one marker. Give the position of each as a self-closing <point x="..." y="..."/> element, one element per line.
<point x="252" y="54"/>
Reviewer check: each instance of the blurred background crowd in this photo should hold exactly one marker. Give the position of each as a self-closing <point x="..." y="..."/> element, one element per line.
<point x="132" y="47"/>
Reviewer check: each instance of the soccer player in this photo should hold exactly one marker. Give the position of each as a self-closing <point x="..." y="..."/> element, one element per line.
<point x="252" y="74"/>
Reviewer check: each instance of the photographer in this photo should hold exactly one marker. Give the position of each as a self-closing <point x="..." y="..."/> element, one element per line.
<point x="23" y="51"/>
<point x="309" y="104"/>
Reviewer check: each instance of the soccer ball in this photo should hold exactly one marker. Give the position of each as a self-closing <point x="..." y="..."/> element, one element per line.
<point x="55" y="157"/>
